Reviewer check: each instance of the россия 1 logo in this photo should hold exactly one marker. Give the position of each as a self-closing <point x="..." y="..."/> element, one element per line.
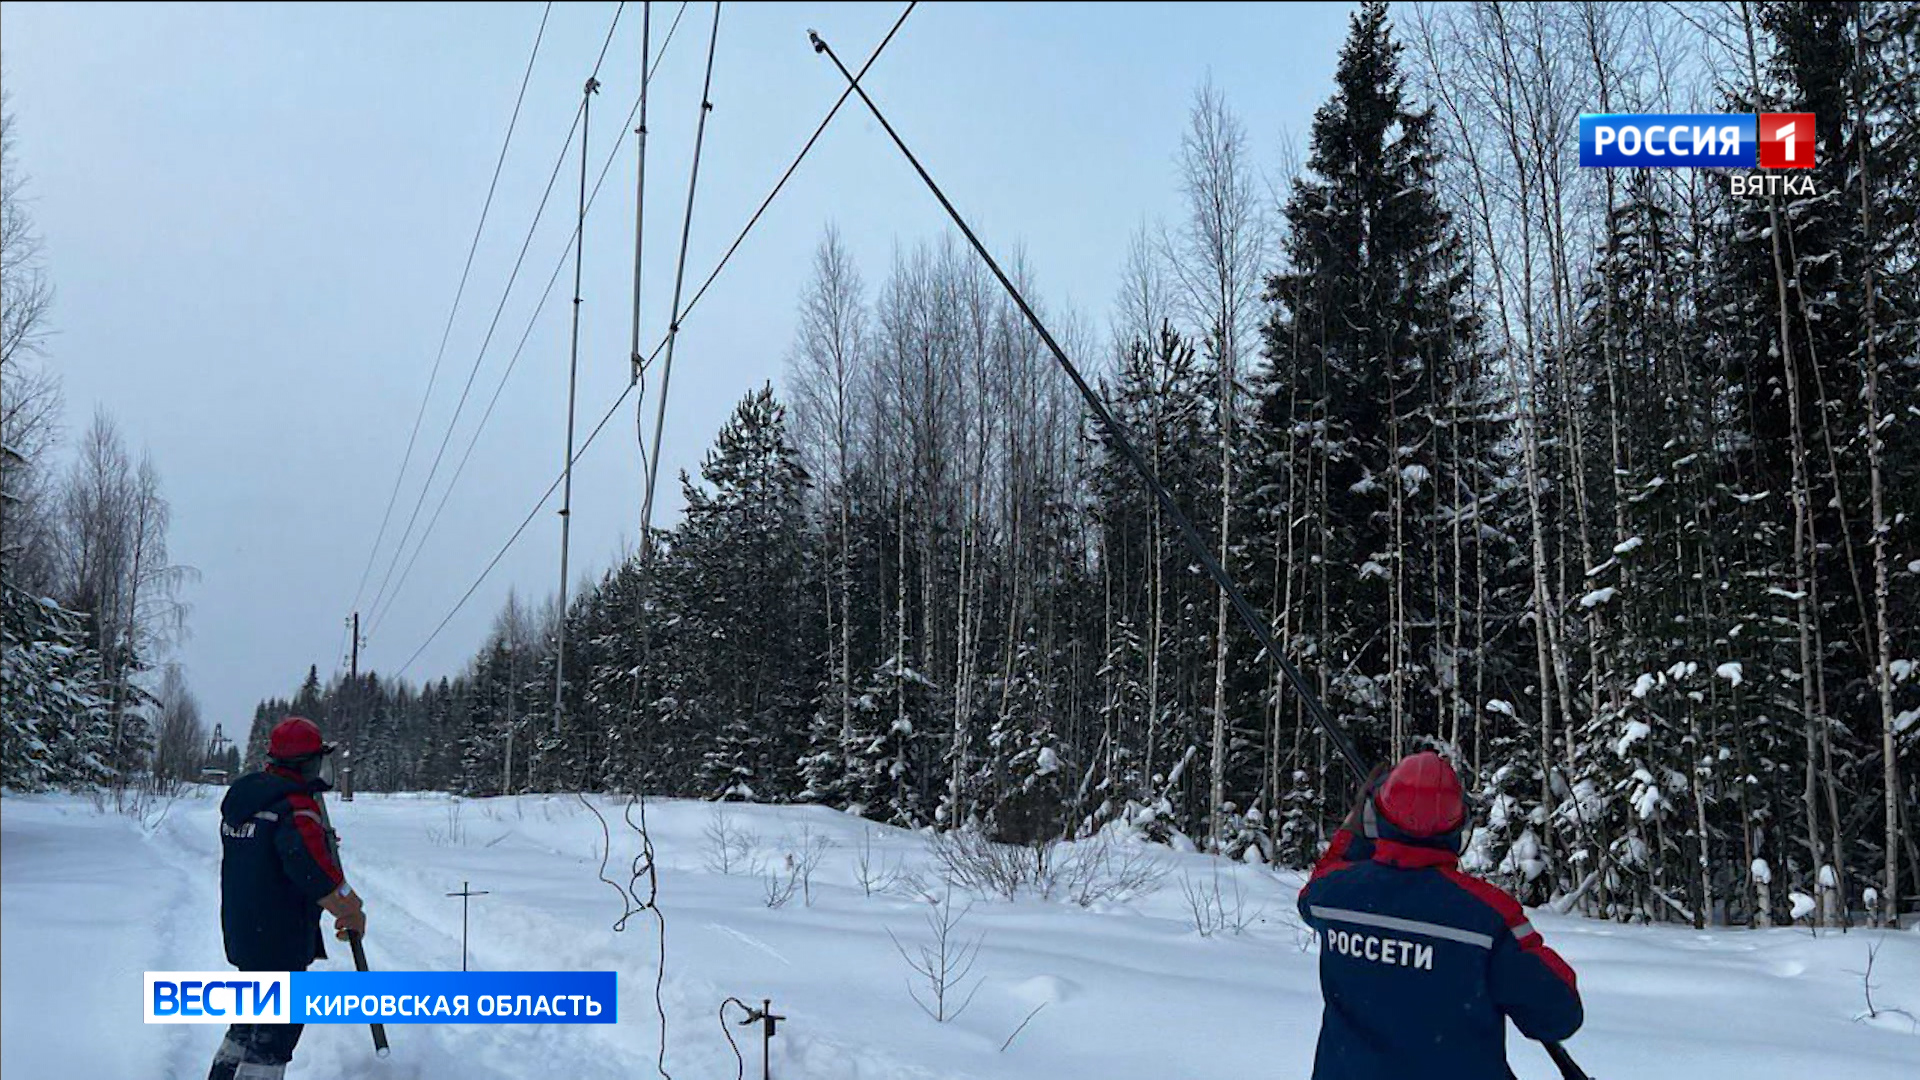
<point x="1705" y="140"/>
<point x="1786" y="140"/>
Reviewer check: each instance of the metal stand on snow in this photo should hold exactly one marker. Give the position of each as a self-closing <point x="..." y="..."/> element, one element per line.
<point x="465" y="894"/>
<point x="1117" y="437"/>
<point x="769" y="1027"/>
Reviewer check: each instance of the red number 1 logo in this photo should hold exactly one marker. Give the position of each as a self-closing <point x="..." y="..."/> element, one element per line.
<point x="1786" y="140"/>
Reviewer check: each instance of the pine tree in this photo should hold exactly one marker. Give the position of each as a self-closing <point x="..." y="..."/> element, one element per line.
<point x="745" y="593"/>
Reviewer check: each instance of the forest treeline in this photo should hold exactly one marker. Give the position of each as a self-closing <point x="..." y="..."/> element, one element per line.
<point x="1601" y="481"/>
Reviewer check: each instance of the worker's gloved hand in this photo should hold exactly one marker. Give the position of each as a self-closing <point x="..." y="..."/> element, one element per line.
<point x="349" y="914"/>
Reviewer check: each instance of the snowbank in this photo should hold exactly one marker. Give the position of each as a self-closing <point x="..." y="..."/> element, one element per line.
<point x="1125" y="990"/>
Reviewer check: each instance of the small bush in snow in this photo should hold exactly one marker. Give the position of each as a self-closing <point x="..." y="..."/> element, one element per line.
<point x="872" y="873"/>
<point x="453" y="833"/>
<point x="729" y="847"/>
<point x="968" y="859"/>
<point x="944" y="963"/>
<point x="793" y="872"/>
<point x="1218" y="907"/>
<point x="1092" y="871"/>
<point x="1103" y="870"/>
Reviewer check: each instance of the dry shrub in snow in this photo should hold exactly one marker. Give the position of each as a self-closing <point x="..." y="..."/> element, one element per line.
<point x="1089" y="872"/>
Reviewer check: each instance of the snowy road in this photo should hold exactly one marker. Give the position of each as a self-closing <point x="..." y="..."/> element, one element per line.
<point x="1124" y="991"/>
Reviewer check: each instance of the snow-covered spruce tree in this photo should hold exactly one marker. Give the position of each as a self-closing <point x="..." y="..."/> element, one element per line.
<point x="1124" y="704"/>
<point x="744" y="595"/>
<point x="58" y="728"/>
<point x="485" y="733"/>
<point x="1640" y="756"/>
<point x="1040" y="725"/>
<point x="1373" y="389"/>
<point x="1029" y="783"/>
<point x="886" y="777"/>
<point x="1161" y="395"/>
<point x="611" y="673"/>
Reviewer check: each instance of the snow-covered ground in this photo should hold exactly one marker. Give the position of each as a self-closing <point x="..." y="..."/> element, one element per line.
<point x="1130" y="990"/>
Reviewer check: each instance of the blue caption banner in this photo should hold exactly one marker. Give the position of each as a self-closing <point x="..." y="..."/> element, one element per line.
<point x="454" y="997"/>
<point x="1669" y="140"/>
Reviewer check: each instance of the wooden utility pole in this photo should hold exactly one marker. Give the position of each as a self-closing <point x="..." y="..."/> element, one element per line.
<point x="353" y="680"/>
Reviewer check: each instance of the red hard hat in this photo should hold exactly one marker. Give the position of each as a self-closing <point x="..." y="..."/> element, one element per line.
<point x="1422" y="796"/>
<point x="294" y="738"/>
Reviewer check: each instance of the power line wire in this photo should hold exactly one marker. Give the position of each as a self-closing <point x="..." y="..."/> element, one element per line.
<point x="499" y="309"/>
<point x="528" y="520"/>
<point x="458" y="293"/>
<point x="588" y="443"/>
<point x="513" y="361"/>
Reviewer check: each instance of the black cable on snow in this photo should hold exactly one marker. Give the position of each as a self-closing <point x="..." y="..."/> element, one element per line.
<point x="740" y="1061"/>
<point x="644" y="865"/>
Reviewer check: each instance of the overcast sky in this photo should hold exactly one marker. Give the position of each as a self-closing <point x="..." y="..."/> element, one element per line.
<point x="256" y="216"/>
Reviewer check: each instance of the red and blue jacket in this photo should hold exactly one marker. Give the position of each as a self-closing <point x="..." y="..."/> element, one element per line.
<point x="1422" y="965"/>
<point x="277" y="861"/>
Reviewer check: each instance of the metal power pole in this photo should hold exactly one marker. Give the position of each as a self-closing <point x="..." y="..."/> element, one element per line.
<point x="353" y="680"/>
<point x="214" y="768"/>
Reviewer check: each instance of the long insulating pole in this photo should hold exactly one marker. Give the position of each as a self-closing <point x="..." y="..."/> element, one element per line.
<point x="573" y="384"/>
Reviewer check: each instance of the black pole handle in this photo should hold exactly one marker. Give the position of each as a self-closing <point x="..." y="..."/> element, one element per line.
<point x="1569" y="1068"/>
<point x="360" y="964"/>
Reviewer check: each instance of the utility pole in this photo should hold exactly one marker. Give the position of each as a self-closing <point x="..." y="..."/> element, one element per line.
<point x="513" y="690"/>
<point x="353" y="680"/>
<point x="213" y="768"/>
